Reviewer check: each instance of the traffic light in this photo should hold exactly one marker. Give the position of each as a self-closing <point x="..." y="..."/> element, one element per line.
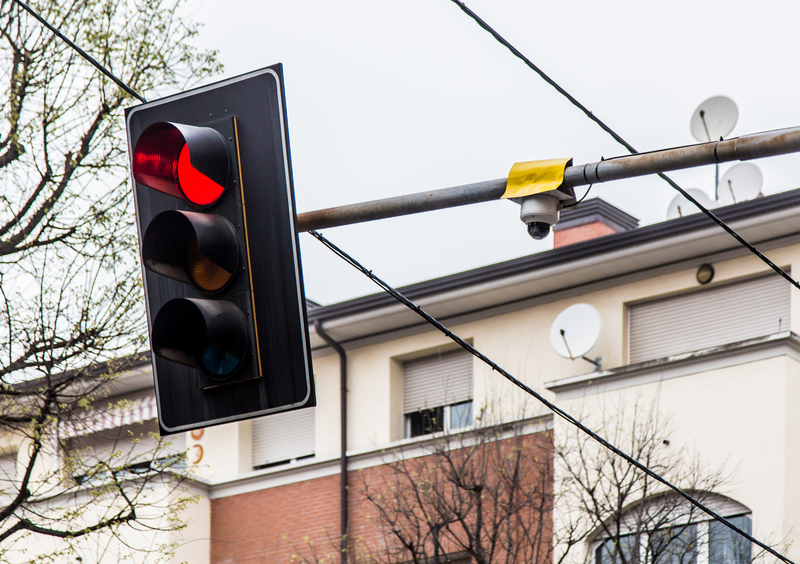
<point x="215" y="212"/>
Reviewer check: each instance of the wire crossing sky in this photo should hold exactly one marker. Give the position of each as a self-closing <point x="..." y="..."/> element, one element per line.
<point x="624" y="143"/>
<point x="431" y="320"/>
<point x="551" y="406"/>
<point x="80" y="51"/>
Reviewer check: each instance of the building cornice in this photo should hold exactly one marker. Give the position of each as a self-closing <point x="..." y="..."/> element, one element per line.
<point x="678" y="243"/>
<point x="313" y="469"/>
<point x="784" y="343"/>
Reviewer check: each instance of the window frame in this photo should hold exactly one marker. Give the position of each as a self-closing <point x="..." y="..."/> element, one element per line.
<point x="447" y="420"/>
<point x="440" y="384"/>
<point x="702" y="539"/>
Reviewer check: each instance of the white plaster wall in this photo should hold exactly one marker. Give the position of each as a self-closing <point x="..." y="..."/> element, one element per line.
<point x="193" y="544"/>
<point x="791" y="444"/>
<point x="139" y="543"/>
<point x="327" y="418"/>
<point x="227" y="450"/>
<point x="738" y="420"/>
<point x="519" y="341"/>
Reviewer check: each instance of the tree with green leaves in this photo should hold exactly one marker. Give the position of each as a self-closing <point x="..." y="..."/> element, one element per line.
<point x="70" y="284"/>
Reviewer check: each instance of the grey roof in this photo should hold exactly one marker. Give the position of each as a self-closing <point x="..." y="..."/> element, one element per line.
<point x="562" y="255"/>
<point x="594" y="210"/>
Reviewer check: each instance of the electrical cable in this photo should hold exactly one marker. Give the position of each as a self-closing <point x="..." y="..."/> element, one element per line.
<point x="552" y="407"/>
<point x="582" y="197"/>
<point x="622" y="141"/>
<point x="80" y="51"/>
<point x="411" y="305"/>
<point x="530" y="64"/>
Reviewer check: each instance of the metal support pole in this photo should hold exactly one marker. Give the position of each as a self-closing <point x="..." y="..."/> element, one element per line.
<point x="747" y="147"/>
<point x="344" y="524"/>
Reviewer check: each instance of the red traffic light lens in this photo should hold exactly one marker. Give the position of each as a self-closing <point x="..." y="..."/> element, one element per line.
<point x="197" y="188"/>
<point x="184" y="161"/>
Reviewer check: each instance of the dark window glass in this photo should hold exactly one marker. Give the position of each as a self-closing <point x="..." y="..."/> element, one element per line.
<point x="426" y="421"/>
<point x="624" y="552"/>
<point x="674" y="545"/>
<point x="679" y="544"/>
<point x="726" y="546"/>
<point x="174" y="462"/>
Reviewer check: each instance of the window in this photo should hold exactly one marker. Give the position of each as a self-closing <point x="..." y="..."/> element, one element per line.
<point x="453" y="558"/>
<point x="609" y="553"/>
<point x="674" y="545"/>
<point x="706" y="541"/>
<point x="726" y="546"/>
<point x="125" y="452"/>
<point x="437" y="393"/>
<point x="131" y="471"/>
<point x="709" y="318"/>
<point x="283" y="437"/>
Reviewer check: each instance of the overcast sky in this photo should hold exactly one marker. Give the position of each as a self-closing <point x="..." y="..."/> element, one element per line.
<point x="387" y="98"/>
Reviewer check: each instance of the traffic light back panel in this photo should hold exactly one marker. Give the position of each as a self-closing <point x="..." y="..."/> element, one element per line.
<point x="223" y="284"/>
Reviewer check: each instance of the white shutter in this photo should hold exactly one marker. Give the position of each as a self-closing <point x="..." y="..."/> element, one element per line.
<point x="440" y="379"/>
<point x="709" y="317"/>
<point x="283" y="436"/>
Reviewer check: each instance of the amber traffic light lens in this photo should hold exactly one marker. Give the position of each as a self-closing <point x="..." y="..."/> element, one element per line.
<point x="194" y="248"/>
<point x="184" y="161"/>
<point x="207" y="275"/>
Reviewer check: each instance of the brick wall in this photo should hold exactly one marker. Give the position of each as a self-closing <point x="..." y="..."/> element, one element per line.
<point x="581" y="233"/>
<point x="274" y="525"/>
<point x="267" y="526"/>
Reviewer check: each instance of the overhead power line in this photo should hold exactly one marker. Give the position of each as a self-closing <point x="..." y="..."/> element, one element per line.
<point x="527" y="389"/>
<point x="80" y="51"/>
<point x="621" y="141"/>
<point x="402" y="299"/>
<point x="518" y="54"/>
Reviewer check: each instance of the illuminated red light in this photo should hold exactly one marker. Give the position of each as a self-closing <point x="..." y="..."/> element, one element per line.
<point x="197" y="188"/>
<point x="162" y="160"/>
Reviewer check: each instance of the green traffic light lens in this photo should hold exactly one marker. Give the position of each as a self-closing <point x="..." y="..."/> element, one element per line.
<point x="205" y="334"/>
<point x="218" y="362"/>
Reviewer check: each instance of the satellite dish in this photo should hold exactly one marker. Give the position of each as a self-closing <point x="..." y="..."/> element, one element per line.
<point x="680" y="206"/>
<point x="741" y="182"/>
<point x="713" y="119"/>
<point x="575" y="331"/>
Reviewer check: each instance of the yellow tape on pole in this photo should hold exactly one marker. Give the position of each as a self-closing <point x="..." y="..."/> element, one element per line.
<point x="535" y="177"/>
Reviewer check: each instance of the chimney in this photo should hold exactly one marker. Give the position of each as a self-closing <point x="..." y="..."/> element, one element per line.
<point x="589" y="220"/>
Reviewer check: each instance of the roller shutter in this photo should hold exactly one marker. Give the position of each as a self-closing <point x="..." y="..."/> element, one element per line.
<point x="283" y="437"/>
<point x="708" y="318"/>
<point x="436" y="380"/>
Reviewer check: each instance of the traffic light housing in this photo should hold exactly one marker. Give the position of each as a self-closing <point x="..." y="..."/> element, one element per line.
<point x="214" y="201"/>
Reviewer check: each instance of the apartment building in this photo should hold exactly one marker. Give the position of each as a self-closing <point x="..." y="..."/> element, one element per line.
<point x="720" y="355"/>
<point x="690" y="320"/>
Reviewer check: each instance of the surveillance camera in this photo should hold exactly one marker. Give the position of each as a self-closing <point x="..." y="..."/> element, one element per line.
<point x="538" y="230"/>
<point x="540" y="212"/>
